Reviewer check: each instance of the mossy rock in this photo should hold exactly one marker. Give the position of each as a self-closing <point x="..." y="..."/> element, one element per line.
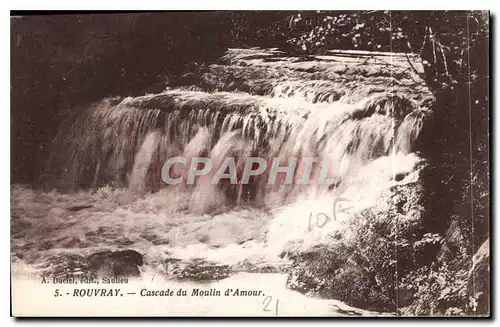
<point x="360" y="268"/>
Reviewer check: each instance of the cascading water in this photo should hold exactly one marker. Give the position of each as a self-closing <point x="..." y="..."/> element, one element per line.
<point x="125" y="142"/>
<point x="104" y="189"/>
<point x="108" y="159"/>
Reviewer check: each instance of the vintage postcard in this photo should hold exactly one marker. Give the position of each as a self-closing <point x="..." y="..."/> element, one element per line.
<point x="250" y="163"/>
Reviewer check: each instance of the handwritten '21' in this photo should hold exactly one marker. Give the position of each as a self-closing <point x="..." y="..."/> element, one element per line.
<point x="323" y="218"/>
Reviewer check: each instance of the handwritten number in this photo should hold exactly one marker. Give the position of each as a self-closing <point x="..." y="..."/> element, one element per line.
<point x="327" y="219"/>
<point x="266" y="304"/>
<point x="268" y="301"/>
<point x="309" y="225"/>
<point x="320" y="223"/>
<point x="335" y="202"/>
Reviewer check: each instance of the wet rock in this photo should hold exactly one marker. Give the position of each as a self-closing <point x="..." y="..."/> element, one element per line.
<point x="244" y="240"/>
<point x="154" y="238"/>
<point x="260" y="267"/>
<point x="335" y="272"/>
<point x="120" y="263"/>
<point x="359" y="268"/>
<point x="399" y="177"/>
<point x="160" y="241"/>
<point x="80" y="207"/>
<point x="202" y="238"/>
<point x="148" y="237"/>
<point x="195" y="269"/>
<point x="71" y="242"/>
<point x="91" y="233"/>
<point x="478" y="286"/>
<point x="46" y="245"/>
<point x="124" y="241"/>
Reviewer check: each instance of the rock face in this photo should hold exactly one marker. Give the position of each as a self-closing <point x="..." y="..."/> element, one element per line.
<point x="479" y="280"/>
<point x="361" y="266"/>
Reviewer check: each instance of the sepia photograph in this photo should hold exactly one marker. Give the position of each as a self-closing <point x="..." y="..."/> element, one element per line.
<point x="250" y="164"/>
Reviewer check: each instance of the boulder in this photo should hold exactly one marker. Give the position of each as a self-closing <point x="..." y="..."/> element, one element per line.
<point x="120" y="263"/>
<point x="359" y="267"/>
<point x="123" y="263"/>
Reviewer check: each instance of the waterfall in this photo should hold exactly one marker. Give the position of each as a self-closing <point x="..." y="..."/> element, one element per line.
<point x="124" y="142"/>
